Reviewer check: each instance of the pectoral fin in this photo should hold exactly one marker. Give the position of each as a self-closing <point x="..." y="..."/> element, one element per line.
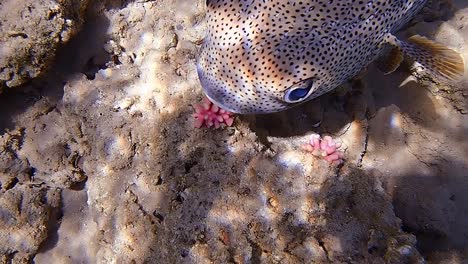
<point x="390" y="60"/>
<point x="438" y="60"/>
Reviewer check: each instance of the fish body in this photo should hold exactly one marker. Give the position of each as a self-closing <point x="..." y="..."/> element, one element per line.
<point x="264" y="56"/>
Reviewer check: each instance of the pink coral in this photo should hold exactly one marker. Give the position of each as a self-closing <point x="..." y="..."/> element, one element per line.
<point x="208" y="114"/>
<point x="325" y="147"/>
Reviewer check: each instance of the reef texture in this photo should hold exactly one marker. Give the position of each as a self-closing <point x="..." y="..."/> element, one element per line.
<point x="101" y="161"/>
<point x="30" y="33"/>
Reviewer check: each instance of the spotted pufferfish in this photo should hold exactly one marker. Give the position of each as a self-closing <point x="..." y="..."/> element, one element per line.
<point x="264" y="56"/>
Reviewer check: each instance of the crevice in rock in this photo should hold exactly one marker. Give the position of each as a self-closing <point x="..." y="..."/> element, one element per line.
<point x="366" y="143"/>
<point x="256" y="252"/>
<point x="324" y="248"/>
<point x="11" y="184"/>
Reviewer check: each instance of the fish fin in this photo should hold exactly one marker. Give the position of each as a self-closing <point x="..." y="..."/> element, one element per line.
<point x="391" y="60"/>
<point x="433" y="57"/>
<point x="445" y="61"/>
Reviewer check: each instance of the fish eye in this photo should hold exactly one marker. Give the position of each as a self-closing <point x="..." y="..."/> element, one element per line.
<point x="298" y="92"/>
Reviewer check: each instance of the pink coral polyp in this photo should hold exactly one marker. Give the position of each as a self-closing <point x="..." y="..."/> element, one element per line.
<point x="326" y="148"/>
<point x="210" y="115"/>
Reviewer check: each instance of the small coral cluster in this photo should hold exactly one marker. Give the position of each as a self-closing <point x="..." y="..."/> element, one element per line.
<point x="325" y="147"/>
<point x="209" y="115"/>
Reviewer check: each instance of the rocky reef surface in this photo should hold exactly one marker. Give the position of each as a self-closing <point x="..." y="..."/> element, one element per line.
<point x="100" y="160"/>
<point x="30" y="33"/>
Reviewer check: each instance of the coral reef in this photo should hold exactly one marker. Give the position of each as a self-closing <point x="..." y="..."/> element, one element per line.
<point x="210" y="115"/>
<point x="326" y="148"/>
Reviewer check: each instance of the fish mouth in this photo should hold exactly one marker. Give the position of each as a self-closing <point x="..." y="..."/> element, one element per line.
<point x="208" y="91"/>
<point x="221" y="105"/>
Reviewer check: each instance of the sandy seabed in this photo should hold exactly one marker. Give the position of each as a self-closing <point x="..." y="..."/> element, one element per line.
<point x="100" y="162"/>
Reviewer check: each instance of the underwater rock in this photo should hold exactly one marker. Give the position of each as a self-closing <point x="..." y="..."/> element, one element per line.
<point x="30" y="33"/>
<point x="25" y="219"/>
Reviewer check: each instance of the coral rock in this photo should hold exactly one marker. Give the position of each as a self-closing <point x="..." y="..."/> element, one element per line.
<point x="326" y="147"/>
<point x="209" y="115"/>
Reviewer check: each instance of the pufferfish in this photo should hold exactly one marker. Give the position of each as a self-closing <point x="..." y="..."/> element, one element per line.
<point x="264" y="56"/>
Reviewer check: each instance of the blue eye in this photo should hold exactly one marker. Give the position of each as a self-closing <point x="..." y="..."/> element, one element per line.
<point x="298" y="92"/>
